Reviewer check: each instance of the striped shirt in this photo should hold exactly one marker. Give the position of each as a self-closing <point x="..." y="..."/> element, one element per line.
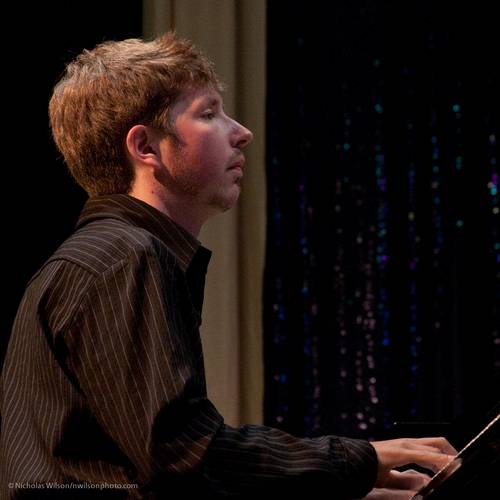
<point x="103" y="391"/>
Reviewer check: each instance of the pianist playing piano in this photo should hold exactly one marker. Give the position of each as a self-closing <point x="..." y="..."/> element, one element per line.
<point x="103" y="388"/>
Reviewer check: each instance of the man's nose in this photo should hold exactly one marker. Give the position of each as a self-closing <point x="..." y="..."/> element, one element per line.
<point x="242" y="137"/>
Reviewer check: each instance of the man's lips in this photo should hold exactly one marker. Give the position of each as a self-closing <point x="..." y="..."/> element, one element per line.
<point x="238" y="164"/>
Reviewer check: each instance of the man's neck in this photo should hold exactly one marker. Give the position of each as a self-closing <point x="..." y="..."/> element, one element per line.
<point x="183" y="212"/>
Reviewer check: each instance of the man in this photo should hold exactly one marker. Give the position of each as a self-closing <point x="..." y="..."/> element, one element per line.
<point x="103" y="388"/>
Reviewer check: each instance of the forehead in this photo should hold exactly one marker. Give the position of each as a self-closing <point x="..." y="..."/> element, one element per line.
<point x="196" y="97"/>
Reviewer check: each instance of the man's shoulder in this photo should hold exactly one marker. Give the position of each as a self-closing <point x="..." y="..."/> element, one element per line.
<point x="102" y="244"/>
<point x="84" y="260"/>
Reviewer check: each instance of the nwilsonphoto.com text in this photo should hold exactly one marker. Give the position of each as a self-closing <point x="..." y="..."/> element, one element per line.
<point x="73" y="486"/>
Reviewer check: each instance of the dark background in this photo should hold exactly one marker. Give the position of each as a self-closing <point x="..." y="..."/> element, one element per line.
<point x="41" y="202"/>
<point x="345" y="78"/>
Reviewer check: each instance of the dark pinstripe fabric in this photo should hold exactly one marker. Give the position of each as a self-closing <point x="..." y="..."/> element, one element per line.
<point x="104" y="382"/>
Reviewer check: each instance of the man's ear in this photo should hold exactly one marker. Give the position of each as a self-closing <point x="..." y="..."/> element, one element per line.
<point x="143" y="146"/>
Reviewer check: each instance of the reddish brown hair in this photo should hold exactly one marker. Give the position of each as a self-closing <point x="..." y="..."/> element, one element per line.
<point x="106" y="91"/>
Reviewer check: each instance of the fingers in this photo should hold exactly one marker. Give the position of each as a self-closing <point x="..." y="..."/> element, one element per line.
<point x="407" y="480"/>
<point x="431" y="453"/>
<point x="385" y="494"/>
<point x="430" y="460"/>
<point x="436" y="444"/>
<point x="440" y="443"/>
<point x="399" y="486"/>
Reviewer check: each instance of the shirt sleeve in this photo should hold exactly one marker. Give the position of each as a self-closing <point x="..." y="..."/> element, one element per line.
<point x="254" y="459"/>
<point x="135" y="352"/>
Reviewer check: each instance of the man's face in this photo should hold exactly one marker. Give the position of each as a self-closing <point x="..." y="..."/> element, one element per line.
<point x="205" y="163"/>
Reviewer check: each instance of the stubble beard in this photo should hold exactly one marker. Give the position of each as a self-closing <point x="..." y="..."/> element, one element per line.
<point x="224" y="203"/>
<point x="186" y="184"/>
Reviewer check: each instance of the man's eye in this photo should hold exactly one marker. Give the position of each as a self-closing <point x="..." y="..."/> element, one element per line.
<point x="208" y="115"/>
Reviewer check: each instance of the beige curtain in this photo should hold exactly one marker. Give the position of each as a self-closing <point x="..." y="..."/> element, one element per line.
<point x="232" y="34"/>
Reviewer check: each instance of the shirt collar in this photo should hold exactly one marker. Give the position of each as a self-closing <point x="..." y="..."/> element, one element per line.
<point x="124" y="207"/>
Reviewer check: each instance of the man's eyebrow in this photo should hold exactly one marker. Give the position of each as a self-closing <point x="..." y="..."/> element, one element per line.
<point x="211" y="101"/>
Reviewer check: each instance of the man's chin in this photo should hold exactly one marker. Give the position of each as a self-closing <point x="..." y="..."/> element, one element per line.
<point x="223" y="204"/>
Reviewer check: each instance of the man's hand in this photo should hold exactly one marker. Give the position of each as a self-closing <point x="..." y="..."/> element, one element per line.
<point x="431" y="453"/>
<point x="400" y="486"/>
